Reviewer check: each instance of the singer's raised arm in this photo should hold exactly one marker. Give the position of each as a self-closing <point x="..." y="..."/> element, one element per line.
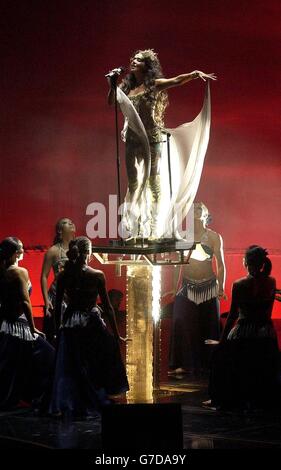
<point x="112" y="78"/>
<point x="111" y="93"/>
<point x="165" y="83"/>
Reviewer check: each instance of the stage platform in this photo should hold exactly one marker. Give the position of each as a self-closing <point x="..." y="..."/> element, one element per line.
<point x="144" y="252"/>
<point x="202" y="428"/>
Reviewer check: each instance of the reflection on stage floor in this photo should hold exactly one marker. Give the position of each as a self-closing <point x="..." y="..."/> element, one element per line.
<point x="202" y="428"/>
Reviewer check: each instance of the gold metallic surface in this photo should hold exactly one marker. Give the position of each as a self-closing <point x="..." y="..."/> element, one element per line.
<point x="140" y="330"/>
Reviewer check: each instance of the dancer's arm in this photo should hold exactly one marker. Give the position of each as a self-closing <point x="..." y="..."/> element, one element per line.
<point x="278" y="295"/>
<point x="233" y="313"/>
<point x="219" y="256"/>
<point x="59" y="298"/>
<point x="108" y="309"/>
<point x="176" y="278"/>
<point x="46" y="268"/>
<point x="23" y="279"/>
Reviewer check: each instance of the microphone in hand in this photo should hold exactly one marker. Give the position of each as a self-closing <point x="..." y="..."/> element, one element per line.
<point x="115" y="72"/>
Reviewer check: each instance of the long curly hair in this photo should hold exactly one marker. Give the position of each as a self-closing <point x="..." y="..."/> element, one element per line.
<point x="153" y="70"/>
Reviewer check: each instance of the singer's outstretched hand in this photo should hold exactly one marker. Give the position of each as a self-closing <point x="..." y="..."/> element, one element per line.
<point x="204" y="76"/>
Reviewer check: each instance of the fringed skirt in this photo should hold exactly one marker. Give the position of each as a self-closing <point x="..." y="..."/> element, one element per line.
<point x="199" y="291"/>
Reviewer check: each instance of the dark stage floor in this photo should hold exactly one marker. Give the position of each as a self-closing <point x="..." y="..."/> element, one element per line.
<point x="202" y="428"/>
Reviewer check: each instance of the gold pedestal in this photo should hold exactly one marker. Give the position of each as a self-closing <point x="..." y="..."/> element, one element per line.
<point x="143" y="265"/>
<point x="143" y="294"/>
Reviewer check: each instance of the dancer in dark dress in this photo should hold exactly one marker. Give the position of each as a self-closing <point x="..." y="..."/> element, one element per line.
<point x="55" y="259"/>
<point x="26" y="358"/>
<point x="89" y="368"/>
<point x="246" y="363"/>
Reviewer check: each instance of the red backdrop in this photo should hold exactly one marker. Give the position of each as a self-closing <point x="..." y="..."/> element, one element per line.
<point x="57" y="133"/>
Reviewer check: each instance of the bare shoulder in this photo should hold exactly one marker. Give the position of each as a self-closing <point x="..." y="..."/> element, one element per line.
<point x="96" y="273"/>
<point x="20" y="273"/>
<point x="54" y="250"/>
<point x="215" y="239"/>
<point x="240" y="282"/>
<point x="214" y="236"/>
<point x="52" y="253"/>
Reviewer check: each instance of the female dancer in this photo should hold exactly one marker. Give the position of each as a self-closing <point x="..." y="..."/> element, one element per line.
<point x="55" y="259"/>
<point x="245" y="369"/>
<point x="89" y="367"/>
<point x="26" y="358"/>
<point x="196" y="307"/>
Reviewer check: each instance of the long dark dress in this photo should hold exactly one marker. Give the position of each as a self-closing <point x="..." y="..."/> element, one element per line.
<point x="49" y="321"/>
<point x="246" y="364"/>
<point x="196" y="318"/>
<point x="26" y="361"/>
<point x="89" y="365"/>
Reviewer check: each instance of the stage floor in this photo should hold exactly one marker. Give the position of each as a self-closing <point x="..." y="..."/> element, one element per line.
<point x="202" y="428"/>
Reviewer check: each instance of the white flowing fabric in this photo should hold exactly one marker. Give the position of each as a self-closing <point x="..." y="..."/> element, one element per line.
<point x="188" y="146"/>
<point x="132" y="209"/>
<point x="135" y="123"/>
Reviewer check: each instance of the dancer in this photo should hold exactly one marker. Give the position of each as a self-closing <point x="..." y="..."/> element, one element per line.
<point x="89" y="368"/>
<point x="55" y="259"/>
<point x="196" y="307"/>
<point x="246" y="364"/>
<point x="146" y="88"/>
<point x="26" y="358"/>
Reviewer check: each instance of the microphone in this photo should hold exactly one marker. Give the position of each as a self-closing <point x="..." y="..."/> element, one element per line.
<point x="115" y="72"/>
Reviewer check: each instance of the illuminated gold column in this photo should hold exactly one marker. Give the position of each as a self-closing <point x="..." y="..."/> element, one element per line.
<point x="143" y="293"/>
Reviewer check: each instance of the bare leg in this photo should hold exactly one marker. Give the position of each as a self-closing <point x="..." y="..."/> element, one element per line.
<point x="155" y="188"/>
<point x="131" y="217"/>
<point x="131" y="156"/>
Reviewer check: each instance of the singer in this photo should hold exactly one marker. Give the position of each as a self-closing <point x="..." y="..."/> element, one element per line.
<point x="146" y="88"/>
